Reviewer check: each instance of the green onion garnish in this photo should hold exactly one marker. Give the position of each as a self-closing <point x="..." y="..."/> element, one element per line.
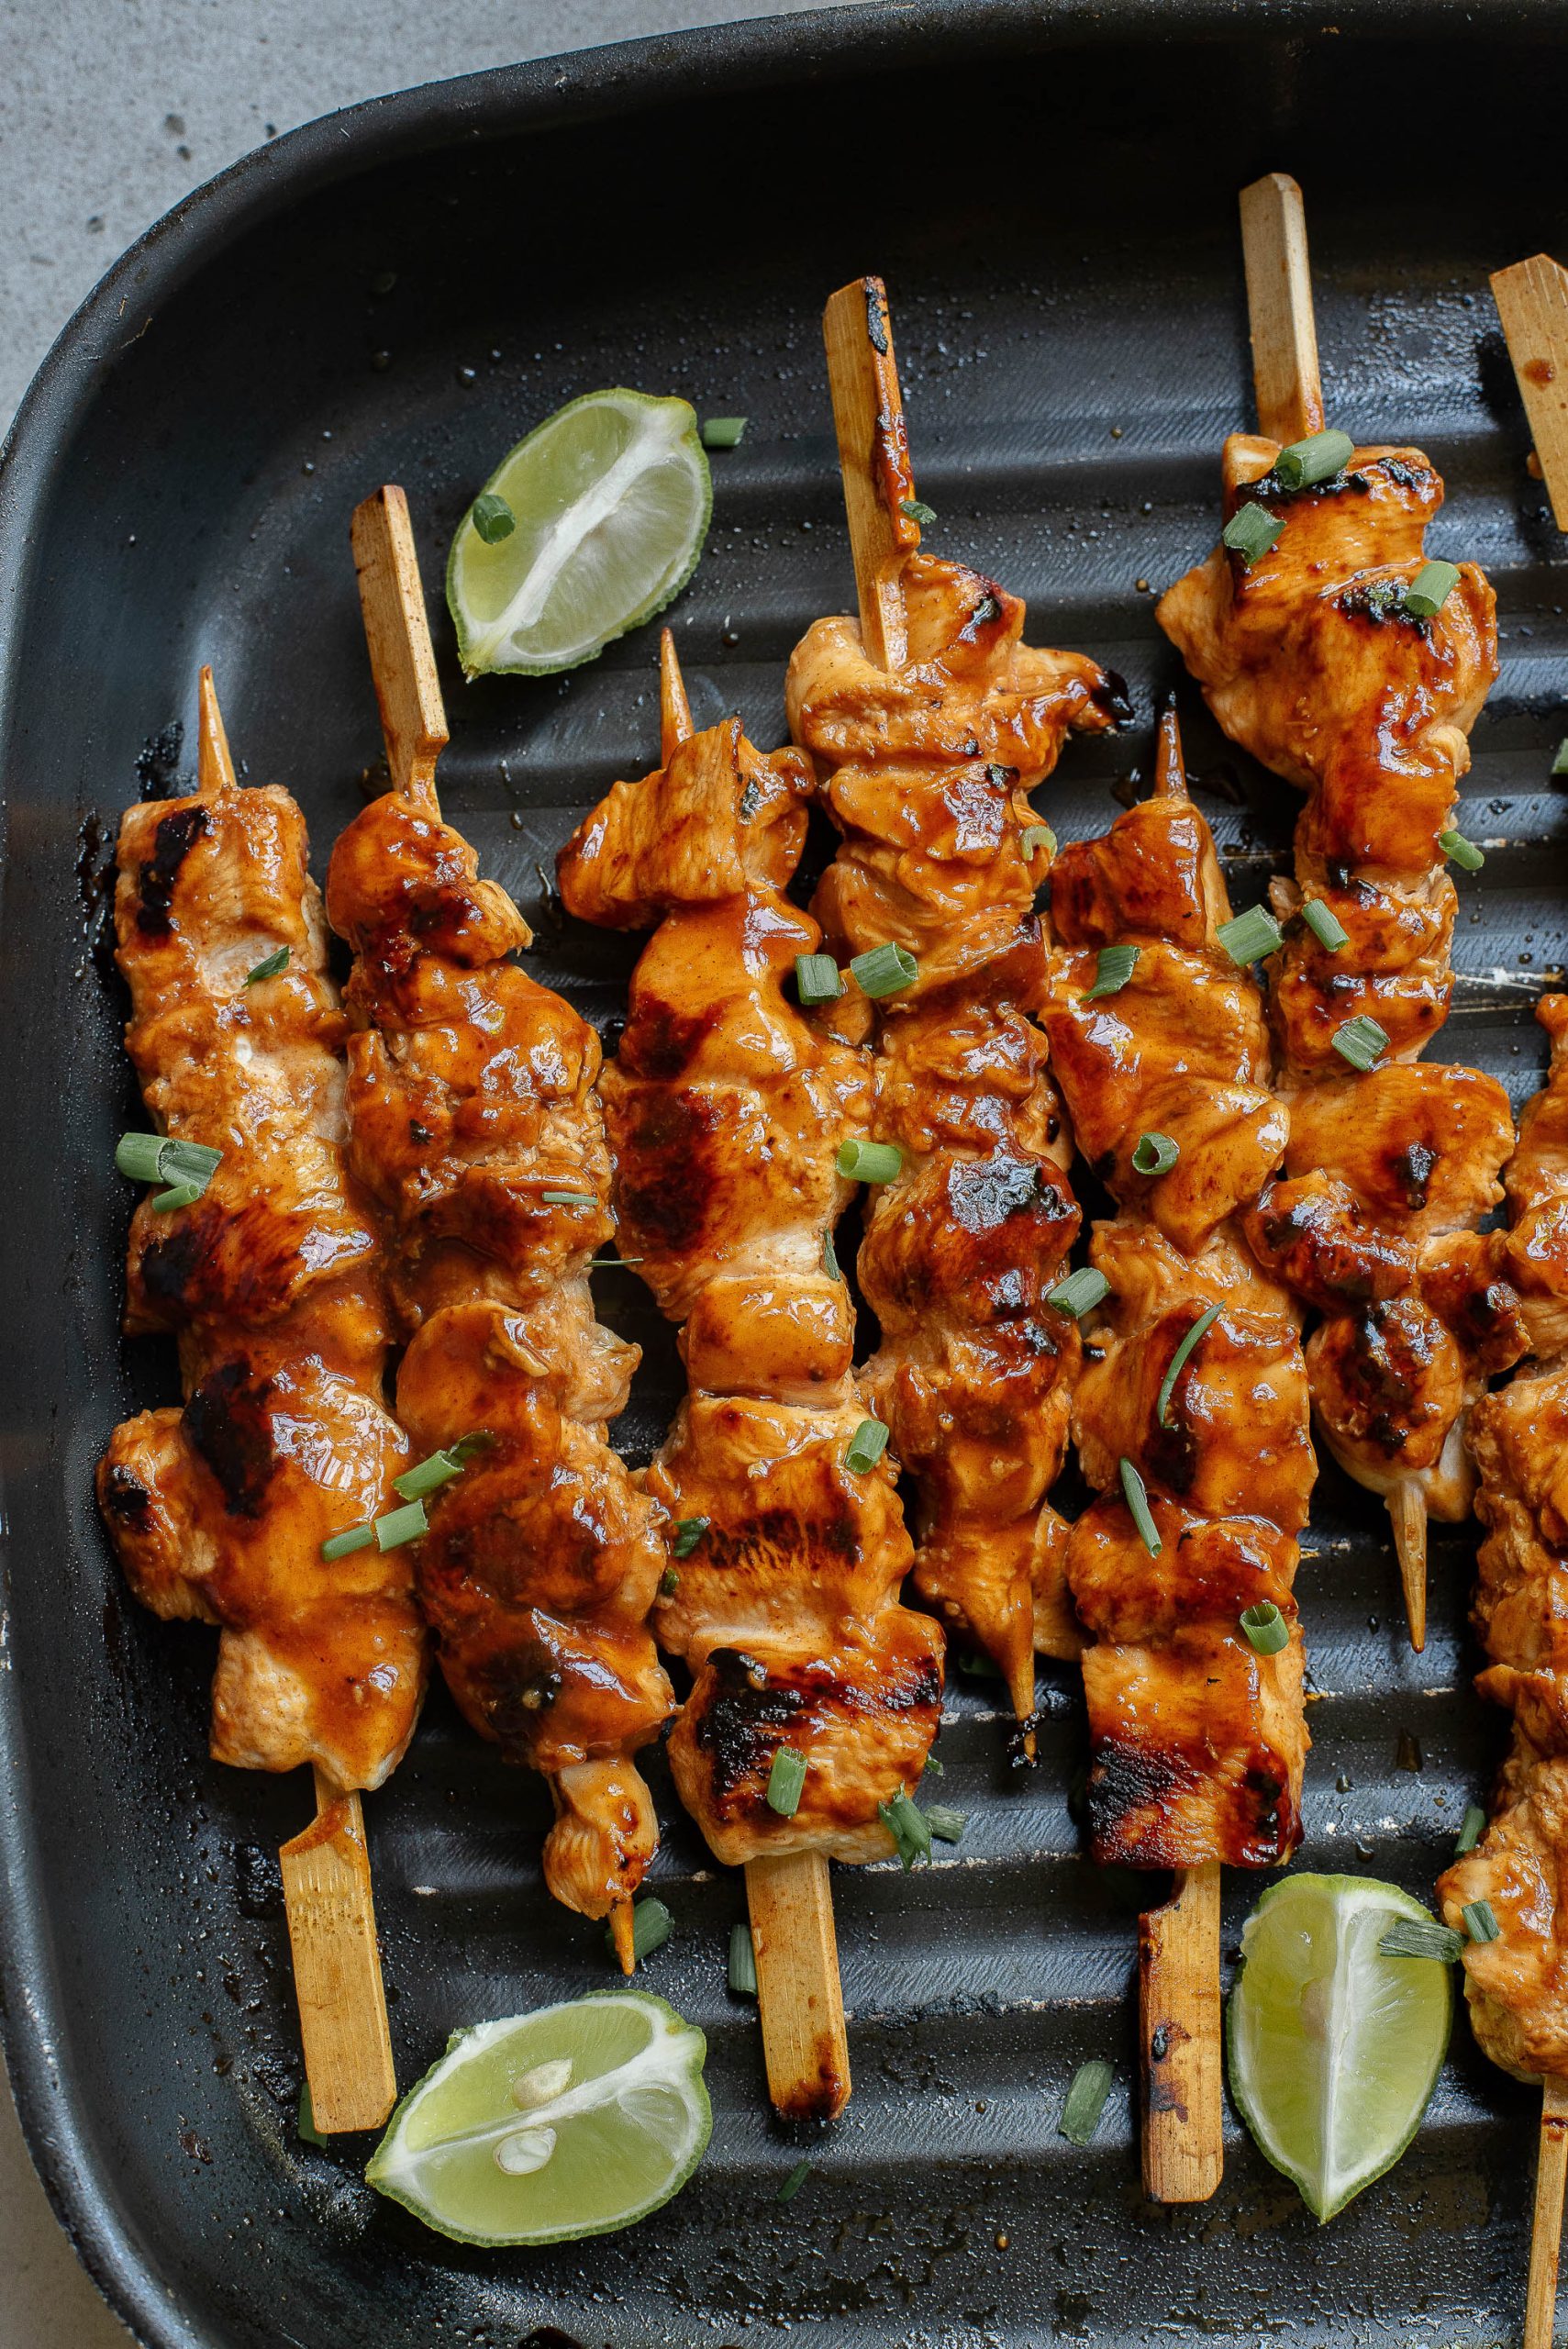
<point x="669" y="1582"/>
<point x="1420" y="1937"/>
<point x="722" y="432"/>
<point x="909" y="1828"/>
<point x="1037" y="836"/>
<point x="1480" y="1923"/>
<point x="866" y="1446"/>
<point x="306" y="2125"/>
<point x="179" y="1194"/>
<point x="492" y="517"/>
<point x="1461" y="852"/>
<point x="1250" y="937"/>
<point x="400" y="1525"/>
<point x="569" y="1198"/>
<point x="1325" y="927"/>
<point x="787" y="1780"/>
<point x="427" y="1475"/>
<point x="1079" y="1293"/>
<point x="158" y="1158"/>
<point x="1155" y="1154"/>
<point x="818" y="979"/>
<point x="1251" y="532"/>
<point x="1472" y="1827"/>
<point x="743" y="1962"/>
<point x="1133" y="1487"/>
<point x="1318" y="458"/>
<point x="689" y="1531"/>
<point x="793" y="2182"/>
<point x="269" y="967"/>
<point x="937" y="1769"/>
<point x="946" y="1822"/>
<point x="1265" y="1626"/>
<point x="476" y="1440"/>
<point x="869" y="1162"/>
<point x="1360" y="1042"/>
<point x="358" y="1537"/>
<point x="918" y="510"/>
<point x="1085" y="2101"/>
<point x="1114" y="965"/>
<point x="1430" y="589"/>
<point x="1560" y="763"/>
<point x="651" y="1926"/>
<point x="1180" y="1359"/>
<point x="831" y="1257"/>
<point x="884" y="970"/>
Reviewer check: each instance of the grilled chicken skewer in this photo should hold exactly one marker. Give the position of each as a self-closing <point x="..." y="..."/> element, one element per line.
<point x="1191" y="1421"/>
<point x="475" y="1129"/>
<point x="929" y="721"/>
<point x="816" y="1694"/>
<point x="270" y="1281"/>
<point x="1311" y="658"/>
<point x="1513" y="1885"/>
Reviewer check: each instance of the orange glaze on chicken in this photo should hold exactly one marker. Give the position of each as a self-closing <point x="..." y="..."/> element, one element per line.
<point x="1517" y="1985"/>
<point x="725" y="1106"/>
<point x="1310" y="661"/>
<point x="470" y="1090"/>
<point x="1197" y="1741"/>
<point x="269" y="1283"/>
<point x="926" y="770"/>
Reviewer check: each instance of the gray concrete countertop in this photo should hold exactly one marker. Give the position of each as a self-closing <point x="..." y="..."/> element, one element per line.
<point x="108" y="115"/>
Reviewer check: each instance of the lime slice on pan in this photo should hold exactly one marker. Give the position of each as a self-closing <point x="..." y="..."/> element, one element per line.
<point x="1334" y="2048"/>
<point x="609" y="500"/>
<point x="573" y="2121"/>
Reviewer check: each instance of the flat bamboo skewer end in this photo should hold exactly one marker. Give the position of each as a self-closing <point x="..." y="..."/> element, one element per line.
<point x="1179" y="2040"/>
<point x="1546" y="2234"/>
<point x="397" y="632"/>
<point x="1279" y="307"/>
<point x="1532" y="303"/>
<point x="336" y="1967"/>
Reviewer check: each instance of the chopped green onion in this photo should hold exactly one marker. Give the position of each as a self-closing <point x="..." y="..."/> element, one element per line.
<point x="140" y="1156"/>
<point x="1560" y="763"/>
<point x="340" y="1545"/>
<point x="1250" y="937"/>
<point x="689" y="1531"/>
<point x="937" y="1769"/>
<point x="909" y="1828"/>
<point x="1461" y="852"/>
<point x="1472" y="1827"/>
<point x="1079" y="1293"/>
<point x="1326" y="926"/>
<point x="793" y="2182"/>
<point x="1114" y="966"/>
<point x="918" y="510"/>
<point x="1037" y="836"/>
<point x="831" y="1257"/>
<point x="1180" y="1359"/>
<point x="1265" y="1626"/>
<point x="427" y="1475"/>
<point x="818" y="979"/>
<point x="866" y="1446"/>
<point x="669" y="1582"/>
<point x="1251" y="532"/>
<point x="1136" y="1495"/>
<point x="476" y="1440"/>
<point x="1155" y="1154"/>
<point x="269" y="967"/>
<point x="1318" y="458"/>
<point x="158" y="1158"/>
<point x="570" y="1198"/>
<point x="884" y="970"/>
<point x="401" y="1525"/>
<point x="179" y="1194"/>
<point x="1420" y="1937"/>
<point x="946" y="1822"/>
<point x="786" y="1781"/>
<point x="743" y="1962"/>
<point x="1479" y="1921"/>
<point x="1430" y="589"/>
<point x="723" y="432"/>
<point x="492" y="517"/>
<point x="1360" y="1042"/>
<point x="306" y="2126"/>
<point x="1085" y="2101"/>
<point x="869" y="1162"/>
<point x="651" y="1926"/>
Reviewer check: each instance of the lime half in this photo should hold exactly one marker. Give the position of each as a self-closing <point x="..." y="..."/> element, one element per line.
<point x="609" y="500"/>
<point x="1334" y="2048"/>
<point x="571" y="2121"/>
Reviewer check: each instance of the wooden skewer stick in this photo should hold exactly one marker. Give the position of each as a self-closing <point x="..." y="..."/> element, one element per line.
<point x="325" y="1870"/>
<point x="1532" y="302"/>
<point x="1546" y="2234"/>
<point x="1290" y="405"/>
<point x="800" y="1999"/>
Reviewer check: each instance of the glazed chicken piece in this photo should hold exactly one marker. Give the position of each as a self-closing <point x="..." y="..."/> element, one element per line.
<point x="1309" y="659"/>
<point x="1198" y="1740"/>
<point x="925" y="770"/>
<point x="1518" y="1983"/>
<point x="269" y="1282"/>
<point x="476" y="1132"/>
<point x="725" y="1108"/>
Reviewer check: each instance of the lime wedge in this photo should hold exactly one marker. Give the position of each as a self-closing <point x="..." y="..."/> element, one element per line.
<point x="609" y="501"/>
<point x="1334" y="2048"/>
<point x="573" y="2121"/>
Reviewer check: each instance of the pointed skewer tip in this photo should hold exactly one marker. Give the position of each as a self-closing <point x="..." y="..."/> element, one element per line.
<point x="623" y="1934"/>
<point x="215" y="766"/>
